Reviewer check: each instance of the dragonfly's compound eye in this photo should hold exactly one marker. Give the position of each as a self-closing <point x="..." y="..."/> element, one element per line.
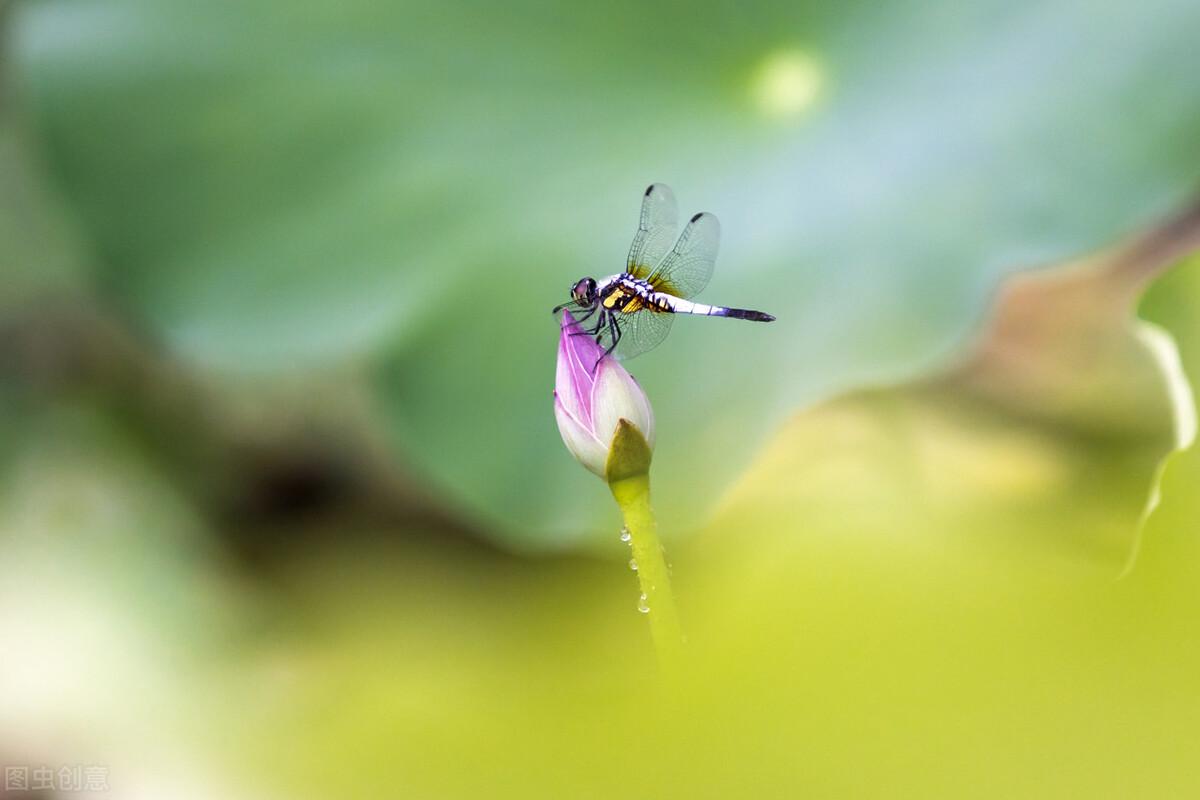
<point x="584" y="291"/>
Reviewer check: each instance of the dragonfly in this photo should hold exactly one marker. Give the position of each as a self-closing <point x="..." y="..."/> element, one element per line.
<point x="631" y="312"/>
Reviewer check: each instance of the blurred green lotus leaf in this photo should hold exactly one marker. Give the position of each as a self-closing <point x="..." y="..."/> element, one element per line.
<point x="1168" y="557"/>
<point x="36" y="254"/>
<point x="274" y="187"/>
<point x="1047" y="435"/>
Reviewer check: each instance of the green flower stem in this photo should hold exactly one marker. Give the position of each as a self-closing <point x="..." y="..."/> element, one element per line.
<point x="628" y="475"/>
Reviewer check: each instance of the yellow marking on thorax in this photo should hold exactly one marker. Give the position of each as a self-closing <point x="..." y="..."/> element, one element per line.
<point x="634" y="304"/>
<point x="630" y="300"/>
<point x="615" y="298"/>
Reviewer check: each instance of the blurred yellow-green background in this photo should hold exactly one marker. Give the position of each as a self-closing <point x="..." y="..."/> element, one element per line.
<point x="283" y="508"/>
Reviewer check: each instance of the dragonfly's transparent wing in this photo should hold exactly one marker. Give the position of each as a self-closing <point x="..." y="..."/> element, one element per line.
<point x="641" y="331"/>
<point x="656" y="230"/>
<point x="686" y="270"/>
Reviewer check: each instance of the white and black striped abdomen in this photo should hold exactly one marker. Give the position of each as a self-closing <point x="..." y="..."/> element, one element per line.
<point x="680" y="306"/>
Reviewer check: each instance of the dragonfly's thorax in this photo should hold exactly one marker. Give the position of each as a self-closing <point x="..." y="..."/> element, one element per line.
<point x="624" y="293"/>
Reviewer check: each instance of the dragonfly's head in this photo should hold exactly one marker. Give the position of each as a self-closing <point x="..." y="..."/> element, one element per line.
<point x="584" y="292"/>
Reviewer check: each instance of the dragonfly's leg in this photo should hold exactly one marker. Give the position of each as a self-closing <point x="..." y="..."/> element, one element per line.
<point x="583" y="319"/>
<point x="614" y="331"/>
<point x="600" y="323"/>
<point x="616" y="334"/>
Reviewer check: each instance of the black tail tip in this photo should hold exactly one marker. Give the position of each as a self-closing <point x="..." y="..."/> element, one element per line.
<point x="745" y="313"/>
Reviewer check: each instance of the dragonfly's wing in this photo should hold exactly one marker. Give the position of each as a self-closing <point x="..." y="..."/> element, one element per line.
<point x="686" y="270"/>
<point x="641" y="331"/>
<point x="656" y="230"/>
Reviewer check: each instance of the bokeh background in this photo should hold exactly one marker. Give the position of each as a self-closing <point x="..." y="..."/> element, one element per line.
<point x="283" y="508"/>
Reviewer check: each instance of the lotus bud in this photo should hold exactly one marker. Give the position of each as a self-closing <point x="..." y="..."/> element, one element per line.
<point x="592" y="394"/>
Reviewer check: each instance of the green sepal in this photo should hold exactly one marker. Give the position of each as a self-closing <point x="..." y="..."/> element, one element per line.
<point x="629" y="455"/>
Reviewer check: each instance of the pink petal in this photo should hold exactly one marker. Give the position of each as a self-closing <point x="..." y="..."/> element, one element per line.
<point x="587" y="449"/>
<point x="574" y="378"/>
<point x="616" y="396"/>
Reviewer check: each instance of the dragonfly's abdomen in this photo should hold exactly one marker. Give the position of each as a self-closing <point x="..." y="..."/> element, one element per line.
<point x="688" y="307"/>
<point x="745" y="313"/>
